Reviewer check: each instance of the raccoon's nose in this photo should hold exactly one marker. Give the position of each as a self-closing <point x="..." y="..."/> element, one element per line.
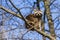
<point x="38" y="14"/>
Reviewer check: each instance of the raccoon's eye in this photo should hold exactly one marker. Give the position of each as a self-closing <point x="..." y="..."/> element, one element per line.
<point x="31" y="24"/>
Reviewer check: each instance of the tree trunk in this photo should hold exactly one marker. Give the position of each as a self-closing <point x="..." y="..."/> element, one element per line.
<point x="49" y="18"/>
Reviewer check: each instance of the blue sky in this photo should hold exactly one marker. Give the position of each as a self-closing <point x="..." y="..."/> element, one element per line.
<point x="25" y="12"/>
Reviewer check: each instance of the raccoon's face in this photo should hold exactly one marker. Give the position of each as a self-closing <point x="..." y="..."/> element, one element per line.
<point x="38" y="13"/>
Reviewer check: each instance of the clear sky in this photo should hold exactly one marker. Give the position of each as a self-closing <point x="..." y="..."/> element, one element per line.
<point x="25" y="11"/>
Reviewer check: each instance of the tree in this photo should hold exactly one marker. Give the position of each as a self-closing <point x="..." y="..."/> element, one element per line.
<point x="14" y="11"/>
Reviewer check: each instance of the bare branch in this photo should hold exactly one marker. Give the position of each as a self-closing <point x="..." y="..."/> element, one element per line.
<point x="49" y="18"/>
<point x="17" y="10"/>
<point x="11" y="12"/>
<point x="52" y="2"/>
<point x="56" y="7"/>
<point x="38" y="4"/>
<point x="13" y="5"/>
<point x="45" y="34"/>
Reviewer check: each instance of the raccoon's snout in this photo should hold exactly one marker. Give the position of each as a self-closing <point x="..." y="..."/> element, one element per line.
<point x="38" y="14"/>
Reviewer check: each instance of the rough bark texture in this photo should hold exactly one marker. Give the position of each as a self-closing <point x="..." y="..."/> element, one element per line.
<point x="49" y="18"/>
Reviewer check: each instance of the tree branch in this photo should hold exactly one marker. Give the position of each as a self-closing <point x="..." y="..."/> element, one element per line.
<point x="38" y="7"/>
<point x="11" y="12"/>
<point x="18" y="11"/>
<point x="17" y="15"/>
<point x="49" y="18"/>
<point x="45" y="34"/>
<point x="52" y="2"/>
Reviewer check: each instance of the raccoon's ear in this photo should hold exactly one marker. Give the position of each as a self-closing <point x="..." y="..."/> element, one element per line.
<point x="35" y="10"/>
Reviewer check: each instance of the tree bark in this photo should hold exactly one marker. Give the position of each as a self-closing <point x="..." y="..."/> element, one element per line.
<point x="49" y="18"/>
